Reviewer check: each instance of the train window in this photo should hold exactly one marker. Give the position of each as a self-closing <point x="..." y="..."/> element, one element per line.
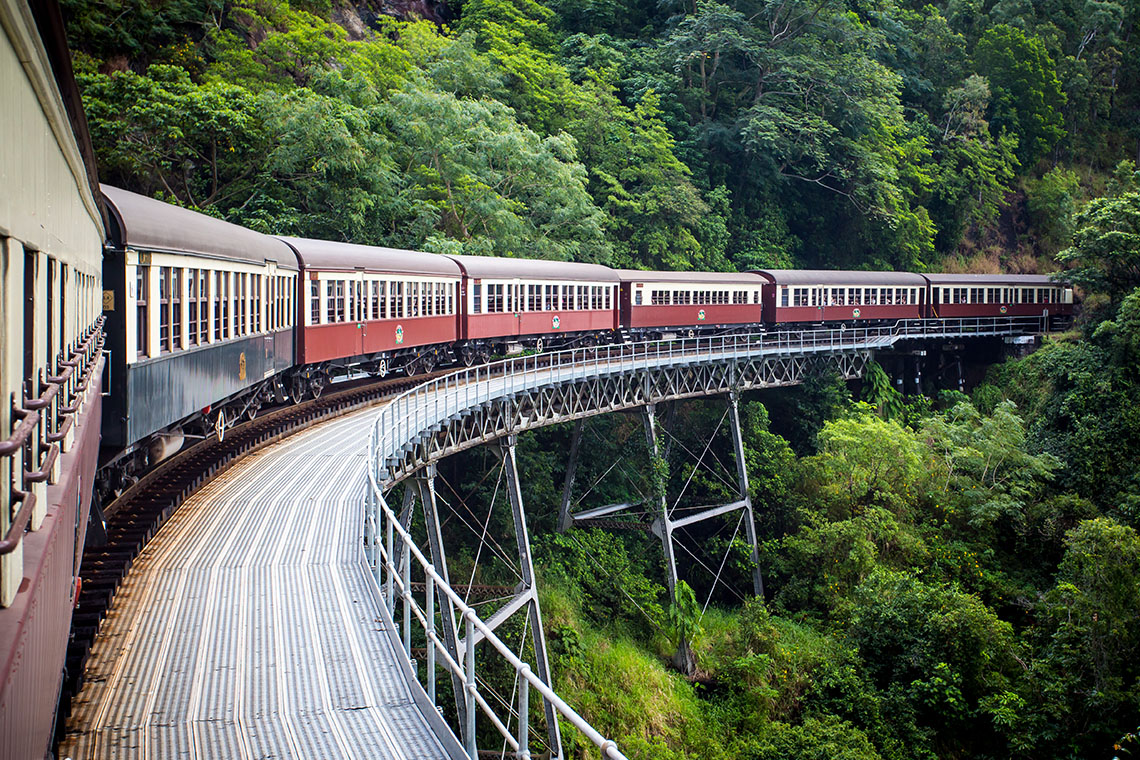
<point x="241" y="307"/>
<point x="163" y="309"/>
<point x="192" y="305"/>
<point x="175" y="308"/>
<point x="256" y="301"/>
<point x="976" y="295"/>
<point x="609" y="297"/>
<point x="397" y="300"/>
<point x="142" y="288"/>
<point x="425" y="298"/>
<point x="351" y="296"/>
<point x="224" y="294"/>
<point x="330" y="301"/>
<point x="494" y="299"/>
<point x="315" y="302"/>
<point x="872" y="297"/>
<point x="477" y="298"/>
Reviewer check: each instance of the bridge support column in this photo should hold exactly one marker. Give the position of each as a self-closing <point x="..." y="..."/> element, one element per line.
<point x="565" y="520"/>
<point x="527" y="595"/>
<point x="662" y="526"/>
<point x="742" y="480"/>
<point x="425" y="485"/>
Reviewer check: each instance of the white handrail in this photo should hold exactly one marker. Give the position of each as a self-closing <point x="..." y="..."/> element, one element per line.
<point x="407" y="417"/>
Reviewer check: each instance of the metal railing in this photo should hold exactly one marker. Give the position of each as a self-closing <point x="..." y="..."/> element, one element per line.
<point x="397" y="585"/>
<point x="418" y="410"/>
<point x="424" y="408"/>
<point x="45" y="425"/>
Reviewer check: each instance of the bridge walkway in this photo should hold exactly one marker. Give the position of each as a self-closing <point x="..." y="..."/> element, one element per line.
<point x="248" y="627"/>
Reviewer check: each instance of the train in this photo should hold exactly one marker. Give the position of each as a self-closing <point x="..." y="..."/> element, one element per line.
<point x="51" y="365"/>
<point x="131" y="326"/>
<point x="209" y="321"/>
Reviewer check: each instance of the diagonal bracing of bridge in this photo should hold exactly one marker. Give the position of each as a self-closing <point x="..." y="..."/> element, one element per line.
<point x="491" y="404"/>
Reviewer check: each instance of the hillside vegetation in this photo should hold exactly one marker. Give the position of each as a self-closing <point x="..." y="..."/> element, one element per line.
<point x="661" y="134"/>
<point x="946" y="576"/>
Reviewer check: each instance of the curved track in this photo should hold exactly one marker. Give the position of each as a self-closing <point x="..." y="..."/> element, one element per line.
<point x="260" y="636"/>
<point x="135" y="517"/>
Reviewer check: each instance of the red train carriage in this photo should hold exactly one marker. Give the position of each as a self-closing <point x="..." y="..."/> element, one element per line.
<point x="805" y="295"/>
<point x="998" y="295"/>
<point x="660" y="303"/>
<point x="533" y="302"/>
<point x="376" y="308"/>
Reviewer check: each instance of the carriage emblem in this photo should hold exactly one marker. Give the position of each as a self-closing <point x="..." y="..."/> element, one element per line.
<point x="399" y="334"/>
<point x="1004" y="310"/>
<point x="241" y="366"/>
<point x="555" y="322"/>
<point x="701" y="315"/>
<point x="855" y="313"/>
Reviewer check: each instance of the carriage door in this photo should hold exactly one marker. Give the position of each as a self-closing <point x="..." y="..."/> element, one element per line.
<point x="518" y="303"/>
<point x="267" y="307"/>
<point x="359" y="313"/>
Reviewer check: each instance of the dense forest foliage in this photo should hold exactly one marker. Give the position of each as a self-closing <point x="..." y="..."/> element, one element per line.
<point x="960" y="134"/>
<point x="946" y="576"/>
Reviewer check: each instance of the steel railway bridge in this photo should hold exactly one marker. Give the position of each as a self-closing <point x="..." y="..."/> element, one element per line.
<point x="201" y="660"/>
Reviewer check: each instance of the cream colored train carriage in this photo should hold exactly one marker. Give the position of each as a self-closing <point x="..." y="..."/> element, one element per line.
<point x="51" y="233"/>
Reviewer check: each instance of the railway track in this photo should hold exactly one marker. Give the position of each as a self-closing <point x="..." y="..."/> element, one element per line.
<point x="136" y="515"/>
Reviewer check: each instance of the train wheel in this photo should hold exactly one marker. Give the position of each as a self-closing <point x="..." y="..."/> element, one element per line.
<point x="692" y="334"/>
<point x="382" y="368"/>
<point x="220" y="425"/>
<point x="296" y="389"/>
<point x="252" y="409"/>
<point x="467" y="356"/>
<point x="412" y="368"/>
<point x="317" y="384"/>
<point x="538" y="345"/>
<point x="427" y="361"/>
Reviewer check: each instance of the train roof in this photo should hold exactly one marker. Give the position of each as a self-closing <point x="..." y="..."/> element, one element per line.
<point x="990" y="279"/>
<point x="839" y="277"/>
<point x="151" y="225"/>
<point x="478" y="267"/>
<point x="721" y="278"/>
<point x="334" y="256"/>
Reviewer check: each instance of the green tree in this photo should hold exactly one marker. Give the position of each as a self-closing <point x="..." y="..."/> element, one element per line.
<point x="986" y="468"/>
<point x="1027" y="96"/>
<point x="939" y="655"/>
<point x="1105" y="254"/>
<point x="516" y="35"/>
<point x="1086" y="682"/>
<point x="652" y="209"/>
<point x="197" y="144"/>
<point x="475" y="176"/>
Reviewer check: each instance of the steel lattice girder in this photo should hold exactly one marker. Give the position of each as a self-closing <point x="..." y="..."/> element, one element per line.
<point x="610" y="392"/>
